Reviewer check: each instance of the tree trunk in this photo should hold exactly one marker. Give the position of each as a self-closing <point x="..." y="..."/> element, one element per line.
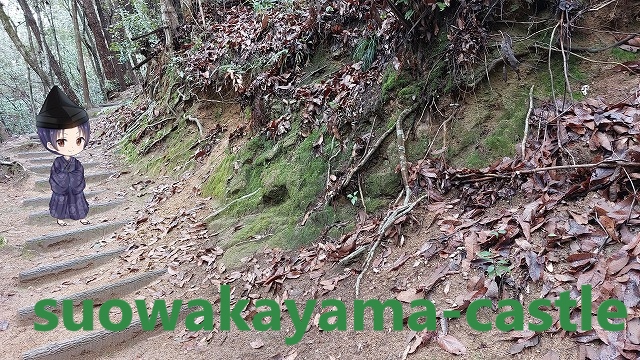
<point x="95" y="59"/>
<point x="38" y="51"/>
<point x="83" y="71"/>
<point x="32" y="104"/>
<point x="28" y="58"/>
<point x="111" y="68"/>
<point x="106" y="23"/>
<point x="62" y="77"/>
<point x="55" y="35"/>
<point x="41" y="36"/>
<point x="170" y="21"/>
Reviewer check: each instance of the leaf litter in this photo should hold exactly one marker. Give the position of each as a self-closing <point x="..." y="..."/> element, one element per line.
<point x="577" y="223"/>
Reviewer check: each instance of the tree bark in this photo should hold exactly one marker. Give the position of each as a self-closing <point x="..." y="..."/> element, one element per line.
<point x="53" y="63"/>
<point x="28" y="58"/>
<point x="90" y="44"/>
<point x="81" y="67"/>
<point x="112" y="70"/>
<point x="55" y="35"/>
<point x="171" y="21"/>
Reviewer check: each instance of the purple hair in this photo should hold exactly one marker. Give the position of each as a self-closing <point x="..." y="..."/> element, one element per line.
<point x="51" y="135"/>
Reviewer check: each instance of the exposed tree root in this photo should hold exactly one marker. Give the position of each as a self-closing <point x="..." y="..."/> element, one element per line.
<point x="331" y="194"/>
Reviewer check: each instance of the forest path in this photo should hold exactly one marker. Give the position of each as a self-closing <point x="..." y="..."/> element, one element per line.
<point x="41" y="259"/>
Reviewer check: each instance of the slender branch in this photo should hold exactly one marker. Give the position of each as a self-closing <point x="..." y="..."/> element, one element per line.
<point x="403" y="160"/>
<point x="217" y="212"/>
<point x="384" y="225"/>
<point x="526" y="120"/>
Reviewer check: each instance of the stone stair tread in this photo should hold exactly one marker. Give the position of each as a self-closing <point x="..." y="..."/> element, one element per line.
<point x="77" y="263"/>
<point x="45" y="242"/>
<point x="46" y="168"/>
<point x="105" y="292"/>
<point x="89" y="178"/>
<point x="44" y="200"/>
<point x="94" y="209"/>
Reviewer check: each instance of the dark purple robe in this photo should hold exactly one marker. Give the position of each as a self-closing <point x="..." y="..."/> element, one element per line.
<point x="67" y="183"/>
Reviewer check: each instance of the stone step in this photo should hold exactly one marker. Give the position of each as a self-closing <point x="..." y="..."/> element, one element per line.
<point x="84" y="233"/>
<point x="36" y="154"/>
<point x="102" y="293"/>
<point x="44" y="216"/>
<point x="78" y="263"/>
<point x="88" y="344"/>
<point x="45" y="169"/>
<point x="44" y="200"/>
<point x="43" y="184"/>
<point x="42" y="160"/>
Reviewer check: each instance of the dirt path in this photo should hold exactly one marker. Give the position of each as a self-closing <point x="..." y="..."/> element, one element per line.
<point x="43" y="260"/>
<point x="104" y="260"/>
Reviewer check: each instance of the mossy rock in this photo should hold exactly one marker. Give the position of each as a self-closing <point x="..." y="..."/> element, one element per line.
<point x="382" y="184"/>
<point x="236" y="185"/>
<point x="275" y="195"/>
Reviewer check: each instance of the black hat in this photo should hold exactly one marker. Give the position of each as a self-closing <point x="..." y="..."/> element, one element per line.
<point x="59" y="112"/>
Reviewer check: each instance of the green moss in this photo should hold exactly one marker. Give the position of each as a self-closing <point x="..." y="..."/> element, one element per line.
<point x="176" y="158"/>
<point x="287" y="177"/>
<point x="3" y="241"/>
<point x="475" y="160"/>
<point x="392" y="81"/>
<point x="509" y="128"/>
<point x="130" y="152"/>
<point x="624" y="56"/>
<point x="382" y="184"/>
<point x="374" y="204"/>
<point x="216" y="184"/>
<point x="576" y="77"/>
<point x="410" y="93"/>
<point x="415" y="150"/>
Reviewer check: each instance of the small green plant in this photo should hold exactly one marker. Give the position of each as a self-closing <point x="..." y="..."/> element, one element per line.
<point x="3" y="241"/>
<point x="622" y="55"/>
<point x="353" y="197"/>
<point x="498" y="267"/>
<point x="260" y="6"/>
<point x="366" y="51"/>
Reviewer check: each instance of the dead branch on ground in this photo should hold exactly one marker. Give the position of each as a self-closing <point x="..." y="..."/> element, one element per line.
<point x="526" y="120"/>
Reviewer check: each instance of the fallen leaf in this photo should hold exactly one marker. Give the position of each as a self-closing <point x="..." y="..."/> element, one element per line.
<point x="409" y="295"/>
<point x="522" y="344"/>
<point x="451" y="345"/>
<point x="257" y="343"/>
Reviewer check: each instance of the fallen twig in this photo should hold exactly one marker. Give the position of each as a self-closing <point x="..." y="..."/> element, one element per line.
<point x="350" y="258"/>
<point x="217" y="212"/>
<point x="609" y="163"/>
<point x="526" y="120"/>
<point x="596" y="50"/>
<point x="384" y="225"/>
<point x="403" y="160"/>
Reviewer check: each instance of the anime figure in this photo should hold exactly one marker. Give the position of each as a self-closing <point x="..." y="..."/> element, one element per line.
<point x="63" y="129"/>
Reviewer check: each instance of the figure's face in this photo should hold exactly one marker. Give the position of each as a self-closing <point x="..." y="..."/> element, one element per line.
<point x="70" y="142"/>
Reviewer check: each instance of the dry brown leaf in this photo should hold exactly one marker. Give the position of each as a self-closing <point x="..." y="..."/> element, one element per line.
<point x="409" y="295"/>
<point x="451" y="345"/>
